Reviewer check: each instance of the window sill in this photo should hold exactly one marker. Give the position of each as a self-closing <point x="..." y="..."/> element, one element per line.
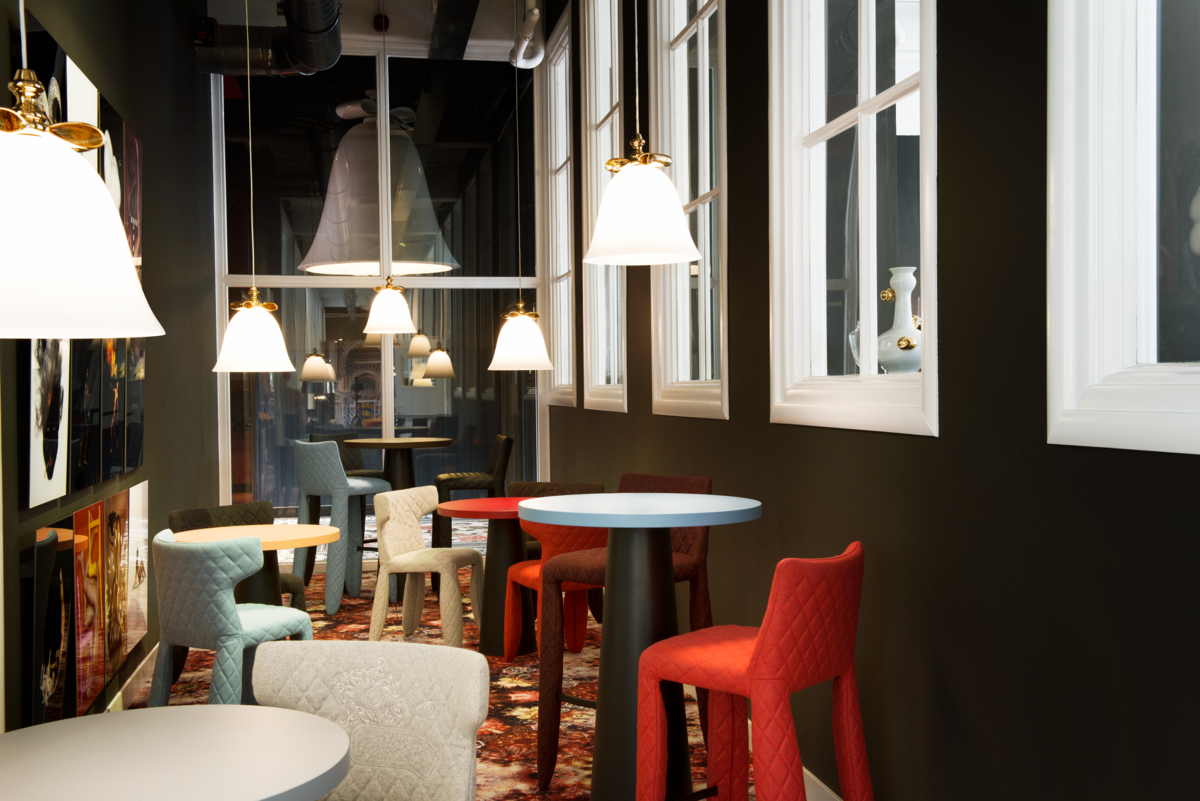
<point x="890" y="403"/>
<point x="561" y="396"/>
<point x="606" y="398"/>
<point x="692" y="399"/>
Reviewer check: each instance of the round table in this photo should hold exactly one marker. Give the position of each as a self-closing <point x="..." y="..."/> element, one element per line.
<point x="263" y="586"/>
<point x="505" y="547"/>
<point x="639" y="610"/>
<point x="397" y="456"/>
<point x="66" y="538"/>
<point x="235" y="753"/>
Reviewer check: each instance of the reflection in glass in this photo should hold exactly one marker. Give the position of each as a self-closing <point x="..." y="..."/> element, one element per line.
<point x="841" y="57"/>
<point x="897" y="42"/>
<point x="897" y="210"/>
<point x="841" y="250"/>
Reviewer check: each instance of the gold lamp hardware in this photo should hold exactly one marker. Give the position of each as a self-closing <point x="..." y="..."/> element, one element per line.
<point x="638" y="157"/>
<point x="28" y="116"/>
<point x="314" y="353"/>
<point x="904" y="343"/>
<point x="250" y="304"/>
<point x="388" y="285"/>
<point x="520" y="312"/>
<point x="887" y="295"/>
<point x="917" y="322"/>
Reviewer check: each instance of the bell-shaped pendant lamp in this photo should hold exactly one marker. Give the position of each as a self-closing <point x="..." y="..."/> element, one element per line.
<point x="641" y="219"/>
<point x="418" y="347"/>
<point x="330" y="374"/>
<point x="521" y="345"/>
<point x="418" y="375"/>
<point x="315" y="368"/>
<point x="347" y="238"/>
<point x="389" y="311"/>
<point x="253" y="342"/>
<point x="439" y="365"/>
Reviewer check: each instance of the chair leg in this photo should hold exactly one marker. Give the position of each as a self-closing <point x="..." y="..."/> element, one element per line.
<point x="780" y="775"/>
<point x="379" y="609"/>
<point x="226" y="684"/>
<point x="414" y="601"/>
<point x="179" y="655"/>
<point x="728" y="746"/>
<point x="550" y="672"/>
<point x="596" y="603"/>
<point x="354" y="555"/>
<point x="651" y="734"/>
<point x="513" y="626"/>
<point x="450" y="603"/>
<point x="248" y="698"/>
<point x="477" y="579"/>
<point x="700" y="617"/>
<point x="575" y="616"/>
<point x="160" y="685"/>
<point x="393" y="587"/>
<point x="336" y="558"/>
<point x="848" y="741"/>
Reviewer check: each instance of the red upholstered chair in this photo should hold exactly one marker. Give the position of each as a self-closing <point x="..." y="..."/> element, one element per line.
<point x="807" y="637"/>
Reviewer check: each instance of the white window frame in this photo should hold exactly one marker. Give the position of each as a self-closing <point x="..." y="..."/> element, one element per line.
<point x="560" y="325"/>
<point x="1104" y="387"/>
<point x="598" y="279"/>
<point x="800" y="395"/>
<point x="674" y="392"/>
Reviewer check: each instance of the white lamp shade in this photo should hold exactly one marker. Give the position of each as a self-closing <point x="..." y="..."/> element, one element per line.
<point x="418" y="371"/>
<point x="253" y="344"/>
<point x="389" y="314"/>
<point x="521" y="346"/>
<point x="347" y="238"/>
<point x="419" y="346"/>
<point x="641" y="221"/>
<point x="330" y="375"/>
<point x="439" y="365"/>
<point x="66" y="267"/>
<point x="314" y="369"/>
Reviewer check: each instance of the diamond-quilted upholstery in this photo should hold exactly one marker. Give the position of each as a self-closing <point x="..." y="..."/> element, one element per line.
<point x="807" y="637"/>
<point x="265" y="623"/>
<point x="491" y="480"/>
<point x="402" y="552"/>
<point x="412" y="712"/>
<point x="351" y="458"/>
<point x="196" y="609"/>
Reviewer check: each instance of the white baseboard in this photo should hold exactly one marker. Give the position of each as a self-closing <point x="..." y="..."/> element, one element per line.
<point x="814" y="788"/>
<point x="137" y="681"/>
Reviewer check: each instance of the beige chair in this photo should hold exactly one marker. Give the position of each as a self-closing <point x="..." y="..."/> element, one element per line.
<point x="412" y="712"/>
<point x="402" y="552"/>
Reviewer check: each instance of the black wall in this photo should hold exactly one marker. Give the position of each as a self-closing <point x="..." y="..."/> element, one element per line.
<point x="1028" y="622"/>
<point x="139" y="55"/>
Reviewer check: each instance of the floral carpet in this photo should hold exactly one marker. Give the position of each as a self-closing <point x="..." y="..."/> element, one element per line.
<point x="508" y="739"/>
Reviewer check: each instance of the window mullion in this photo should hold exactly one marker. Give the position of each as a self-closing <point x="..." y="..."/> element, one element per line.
<point x="867" y="245"/>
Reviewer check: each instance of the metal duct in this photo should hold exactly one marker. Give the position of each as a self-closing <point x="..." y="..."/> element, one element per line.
<point x="310" y="42"/>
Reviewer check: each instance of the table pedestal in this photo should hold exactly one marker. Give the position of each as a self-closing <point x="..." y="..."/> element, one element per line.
<point x="639" y="610"/>
<point x="262" y="586"/>
<point x="505" y="547"/>
<point x="398" y="468"/>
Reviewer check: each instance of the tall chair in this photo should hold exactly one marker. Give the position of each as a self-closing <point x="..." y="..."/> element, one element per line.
<point x="321" y="473"/>
<point x="807" y="637"/>
<point x="196" y="609"/>
<point x="412" y="712"/>
<point x="402" y="552"/>
<point x="492" y="481"/>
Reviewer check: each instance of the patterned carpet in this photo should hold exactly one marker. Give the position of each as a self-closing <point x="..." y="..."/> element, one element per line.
<point x="508" y="739"/>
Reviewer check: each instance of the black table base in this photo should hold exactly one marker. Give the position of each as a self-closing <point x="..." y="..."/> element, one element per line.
<point x="639" y="610"/>
<point x="261" y="586"/>
<point x="505" y="547"/>
<point x="398" y="468"/>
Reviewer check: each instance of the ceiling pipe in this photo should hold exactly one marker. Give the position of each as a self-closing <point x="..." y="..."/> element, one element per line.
<point x="529" y="47"/>
<point x="310" y="42"/>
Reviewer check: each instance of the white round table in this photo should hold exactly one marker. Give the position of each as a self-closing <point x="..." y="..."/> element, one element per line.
<point x="639" y="610"/>
<point x="234" y="753"/>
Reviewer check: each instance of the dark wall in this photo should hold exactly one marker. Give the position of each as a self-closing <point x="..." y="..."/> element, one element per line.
<point x="139" y="55"/>
<point x="1027" y="626"/>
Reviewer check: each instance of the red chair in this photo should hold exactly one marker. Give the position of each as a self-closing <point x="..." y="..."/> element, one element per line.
<point x="807" y="637"/>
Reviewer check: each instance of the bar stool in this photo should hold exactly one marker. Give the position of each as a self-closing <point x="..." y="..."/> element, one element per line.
<point x="807" y="637"/>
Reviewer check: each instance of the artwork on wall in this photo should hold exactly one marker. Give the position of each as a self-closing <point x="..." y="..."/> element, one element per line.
<point x="48" y="429"/>
<point x="135" y="405"/>
<point x="85" y="413"/>
<point x="137" y="583"/>
<point x="112" y="409"/>
<point x="89" y="605"/>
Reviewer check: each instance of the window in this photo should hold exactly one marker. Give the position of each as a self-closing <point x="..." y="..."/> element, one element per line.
<point x="603" y="285"/>
<point x="554" y="168"/>
<point x="688" y="300"/>
<point x="1123" y="273"/>
<point x="853" y="222"/>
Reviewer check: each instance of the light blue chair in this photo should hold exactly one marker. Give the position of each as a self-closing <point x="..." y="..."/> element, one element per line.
<point x="196" y="609"/>
<point x="320" y="471"/>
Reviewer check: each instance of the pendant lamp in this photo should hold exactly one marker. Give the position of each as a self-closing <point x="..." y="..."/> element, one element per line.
<point x="520" y="345"/>
<point x="253" y="341"/>
<point x="315" y="368"/>
<point x="69" y="245"/>
<point x="439" y="365"/>
<point x="389" y="311"/>
<point x="330" y="375"/>
<point x="641" y="219"/>
<point x="418" y="375"/>
<point x="419" y="346"/>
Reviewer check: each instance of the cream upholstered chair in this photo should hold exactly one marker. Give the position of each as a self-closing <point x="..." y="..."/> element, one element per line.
<point x="412" y="712"/>
<point x="402" y="552"/>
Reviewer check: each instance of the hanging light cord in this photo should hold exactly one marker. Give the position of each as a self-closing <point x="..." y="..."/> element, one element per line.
<point x="637" y="76"/>
<point x="24" y="54"/>
<point x="249" y="143"/>
<point x="517" y="137"/>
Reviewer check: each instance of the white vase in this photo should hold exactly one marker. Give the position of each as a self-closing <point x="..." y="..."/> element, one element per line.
<point x="900" y="346"/>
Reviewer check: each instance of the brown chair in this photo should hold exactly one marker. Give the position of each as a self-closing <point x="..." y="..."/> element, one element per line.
<point x="689" y="548"/>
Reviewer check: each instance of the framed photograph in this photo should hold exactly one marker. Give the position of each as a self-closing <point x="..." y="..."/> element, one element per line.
<point x="48" y="421"/>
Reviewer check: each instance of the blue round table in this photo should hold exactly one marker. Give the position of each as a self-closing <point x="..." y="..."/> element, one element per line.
<point x="639" y="610"/>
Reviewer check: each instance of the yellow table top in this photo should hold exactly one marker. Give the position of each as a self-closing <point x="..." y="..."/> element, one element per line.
<point x="274" y="537"/>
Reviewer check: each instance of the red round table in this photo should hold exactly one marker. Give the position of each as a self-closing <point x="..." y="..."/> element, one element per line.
<point x="505" y="547"/>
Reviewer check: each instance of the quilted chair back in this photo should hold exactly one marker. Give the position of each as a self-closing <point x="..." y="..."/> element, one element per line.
<point x="195" y="583"/>
<point x="547" y="489"/>
<point x="808" y="632"/>
<point x="319" y="469"/>
<point x="498" y="464"/>
<point x="692" y="540"/>
<point x="352" y="458"/>
<point x="412" y="712"/>
<point x="560" y="539"/>
<point x="398" y="519"/>
<point x="259" y="513"/>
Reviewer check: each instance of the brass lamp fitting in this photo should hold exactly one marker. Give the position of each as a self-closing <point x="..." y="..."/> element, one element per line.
<point x="637" y="143"/>
<point x="887" y="295"/>
<point x="28" y="115"/>
<point x="388" y="285"/>
<point x="520" y="312"/>
<point x="250" y="304"/>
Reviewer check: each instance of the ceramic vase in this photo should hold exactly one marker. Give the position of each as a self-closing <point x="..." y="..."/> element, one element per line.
<point x="900" y="346"/>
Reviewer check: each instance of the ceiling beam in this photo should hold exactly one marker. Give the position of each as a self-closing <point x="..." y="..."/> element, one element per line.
<point x="452" y="29"/>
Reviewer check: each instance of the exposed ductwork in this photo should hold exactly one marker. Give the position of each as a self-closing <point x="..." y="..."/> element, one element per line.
<point x="310" y="42"/>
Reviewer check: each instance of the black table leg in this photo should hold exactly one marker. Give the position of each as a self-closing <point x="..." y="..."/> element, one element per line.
<point x="398" y="467"/>
<point x="639" y="610"/>
<point x="505" y="547"/>
<point x="262" y="586"/>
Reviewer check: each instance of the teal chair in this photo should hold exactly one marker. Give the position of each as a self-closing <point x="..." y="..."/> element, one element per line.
<point x="320" y="472"/>
<point x="196" y="609"/>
